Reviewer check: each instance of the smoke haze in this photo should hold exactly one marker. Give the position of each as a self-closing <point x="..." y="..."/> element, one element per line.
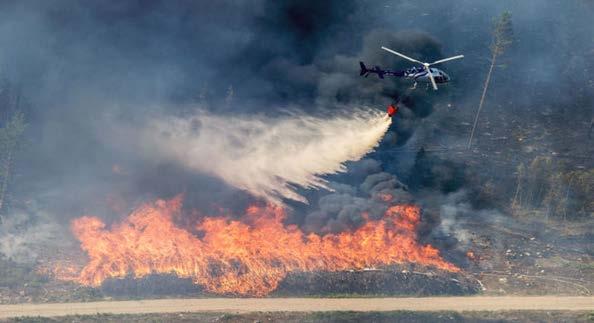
<point x="106" y="85"/>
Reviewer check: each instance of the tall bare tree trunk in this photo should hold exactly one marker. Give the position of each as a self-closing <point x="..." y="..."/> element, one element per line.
<point x="502" y="38"/>
<point x="480" y="107"/>
<point x="518" y="188"/>
<point x="5" y="179"/>
<point x="11" y="133"/>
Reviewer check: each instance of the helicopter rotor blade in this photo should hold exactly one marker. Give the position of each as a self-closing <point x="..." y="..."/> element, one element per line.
<point x="447" y="59"/>
<point x="401" y="55"/>
<point x="431" y="77"/>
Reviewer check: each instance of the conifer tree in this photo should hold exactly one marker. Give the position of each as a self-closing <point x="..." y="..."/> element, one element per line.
<point x="502" y="38"/>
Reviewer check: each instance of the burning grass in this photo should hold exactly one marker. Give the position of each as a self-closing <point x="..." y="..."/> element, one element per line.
<point x="247" y="257"/>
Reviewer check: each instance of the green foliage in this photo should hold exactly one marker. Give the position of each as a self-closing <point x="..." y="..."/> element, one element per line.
<point x="13" y="275"/>
<point x="502" y="34"/>
<point x="584" y="266"/>
<point x="537" y="177"/>
<point x="12" y="132"/>
<point x="517" y="195"/>
<point x="229" y="96"/>
<point x="570" y="193"/>
<point x="546" y="185"/>
<point x="10" y="139"/>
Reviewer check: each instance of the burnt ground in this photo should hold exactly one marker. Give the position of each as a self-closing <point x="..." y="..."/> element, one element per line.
<point x="541" y="258"/>
<point x="530" y="247"/>
<point x="395" y="280"/>
<point x="542" y="242"/>
<point x="536" y="261"/>
<point x="527" y="254"/>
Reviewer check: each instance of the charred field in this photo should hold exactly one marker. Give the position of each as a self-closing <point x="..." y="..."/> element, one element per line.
<point x="152" y="151"/>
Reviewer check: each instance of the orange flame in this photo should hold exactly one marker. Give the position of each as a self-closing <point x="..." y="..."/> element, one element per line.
<point x="245" y="258"/>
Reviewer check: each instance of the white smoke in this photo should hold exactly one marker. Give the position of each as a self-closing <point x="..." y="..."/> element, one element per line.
<point x="268" y="156"/>
<point x="25" y="233"/>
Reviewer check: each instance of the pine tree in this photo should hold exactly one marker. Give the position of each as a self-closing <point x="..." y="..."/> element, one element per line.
<point x="10" y="139"/>
<point x="229" y="96"/>
<point x="502" y="38"/>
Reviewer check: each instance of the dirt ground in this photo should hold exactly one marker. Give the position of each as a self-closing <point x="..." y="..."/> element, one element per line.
<point x="247" y="305"/>
<point x="324" y="317"/>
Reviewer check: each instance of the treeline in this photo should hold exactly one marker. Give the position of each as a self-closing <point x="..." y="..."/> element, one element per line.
<point x="546" y="185"/>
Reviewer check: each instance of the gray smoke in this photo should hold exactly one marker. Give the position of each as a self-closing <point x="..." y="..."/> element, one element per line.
<point x="83" y="67"/>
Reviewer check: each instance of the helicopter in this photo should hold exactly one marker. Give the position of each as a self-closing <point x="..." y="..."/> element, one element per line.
<point x="424" y="73"/>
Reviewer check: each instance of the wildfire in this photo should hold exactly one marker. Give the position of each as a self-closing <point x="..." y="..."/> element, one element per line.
<point x="248" y="257"/>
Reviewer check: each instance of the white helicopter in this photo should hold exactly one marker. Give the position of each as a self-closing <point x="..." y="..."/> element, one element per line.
<point x="423" y="74"/>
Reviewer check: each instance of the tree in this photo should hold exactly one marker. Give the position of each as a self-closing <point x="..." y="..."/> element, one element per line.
<point x="229" y="96"/>
<point x="517" y="196"/>
<point x="10" y="138"/>
<point x="570" y="194"/>
<point x="502" y="38"/>
<point x="202" y="96"/>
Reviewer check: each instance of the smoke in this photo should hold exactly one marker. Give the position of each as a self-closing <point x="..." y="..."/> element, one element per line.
<point x="347" y="207"/>
<point x="26" y="231"/>
<point x="76" y="62"/>
<point x="267" y="156"/>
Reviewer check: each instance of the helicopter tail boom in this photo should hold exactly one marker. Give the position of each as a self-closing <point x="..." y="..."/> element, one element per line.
<point x="365" y="71"/>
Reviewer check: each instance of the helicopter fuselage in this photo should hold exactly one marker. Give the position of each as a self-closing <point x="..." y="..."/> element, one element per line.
<point x="421" y="75"/>
<point x="417" y="74"/>
<point x="424" y="74"/>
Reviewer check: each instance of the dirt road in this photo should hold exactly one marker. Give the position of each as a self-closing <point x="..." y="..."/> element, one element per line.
<point x="242" y="305"/>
